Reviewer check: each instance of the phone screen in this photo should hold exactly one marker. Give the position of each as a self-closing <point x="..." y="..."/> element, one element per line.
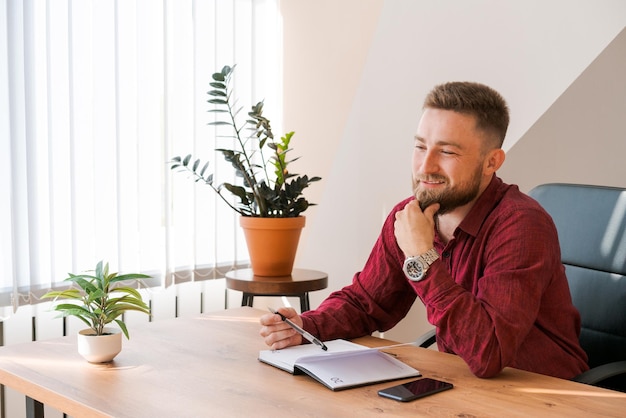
<point x="415" y="389"/>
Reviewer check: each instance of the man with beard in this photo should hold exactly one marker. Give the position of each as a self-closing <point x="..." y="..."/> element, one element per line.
<point x="483" y="257"/>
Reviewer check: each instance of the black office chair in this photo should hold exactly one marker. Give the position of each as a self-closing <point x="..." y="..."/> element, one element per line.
<point x="591" y="223"/>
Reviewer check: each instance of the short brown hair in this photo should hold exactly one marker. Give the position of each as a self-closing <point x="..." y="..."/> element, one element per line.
<point x="484" y="103"/>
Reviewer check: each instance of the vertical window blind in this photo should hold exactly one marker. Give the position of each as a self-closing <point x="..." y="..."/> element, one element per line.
<point x="96" y="96"/>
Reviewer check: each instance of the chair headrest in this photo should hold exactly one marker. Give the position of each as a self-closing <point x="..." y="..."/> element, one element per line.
<point x="591" y="222"/>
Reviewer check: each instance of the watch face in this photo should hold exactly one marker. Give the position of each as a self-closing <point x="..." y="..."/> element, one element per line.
<point x="414" y="269"/>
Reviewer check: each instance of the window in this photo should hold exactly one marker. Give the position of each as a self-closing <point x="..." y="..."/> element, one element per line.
<point x="96" y="97"/>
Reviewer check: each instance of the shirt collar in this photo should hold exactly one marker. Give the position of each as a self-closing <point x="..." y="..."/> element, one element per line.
<point x="485" y="203"/>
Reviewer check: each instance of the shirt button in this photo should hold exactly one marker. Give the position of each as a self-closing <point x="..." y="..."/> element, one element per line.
<point x="446" y="254"/>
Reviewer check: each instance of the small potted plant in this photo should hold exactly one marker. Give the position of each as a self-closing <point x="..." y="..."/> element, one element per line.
<point x="270" y="197"/>
<point x="101" y="302"/>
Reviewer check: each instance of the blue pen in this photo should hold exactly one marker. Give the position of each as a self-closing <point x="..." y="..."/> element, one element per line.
<point x="300" y="331"/>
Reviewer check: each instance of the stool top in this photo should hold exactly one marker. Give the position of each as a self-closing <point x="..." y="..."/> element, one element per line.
<point x="300" y="281"/>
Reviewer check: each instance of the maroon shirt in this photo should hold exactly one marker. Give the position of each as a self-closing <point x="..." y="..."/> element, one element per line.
<point x="498" y="294"/>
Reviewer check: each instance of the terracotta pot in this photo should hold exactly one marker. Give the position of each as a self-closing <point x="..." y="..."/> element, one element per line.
<point x="99" y="348"/>
<point x="272" y="243"/>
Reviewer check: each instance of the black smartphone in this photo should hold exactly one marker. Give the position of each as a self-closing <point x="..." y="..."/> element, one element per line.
<point x="415" y="389"/>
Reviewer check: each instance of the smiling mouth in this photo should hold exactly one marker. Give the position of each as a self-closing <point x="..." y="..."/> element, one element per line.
<point x="432" y="182"/>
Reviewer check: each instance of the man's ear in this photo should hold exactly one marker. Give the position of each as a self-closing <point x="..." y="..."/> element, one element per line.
<point x="494" y="160"/>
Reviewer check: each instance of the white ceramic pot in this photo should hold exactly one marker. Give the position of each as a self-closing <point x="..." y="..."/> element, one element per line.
<point x="99" y="348"/>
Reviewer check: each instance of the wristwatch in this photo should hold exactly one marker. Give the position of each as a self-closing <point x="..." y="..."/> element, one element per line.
<point x="415" y="267"/>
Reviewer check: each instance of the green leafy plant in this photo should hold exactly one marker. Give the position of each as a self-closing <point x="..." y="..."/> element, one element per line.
<point x="267" y="188"/>
<point x="102" y="302"/>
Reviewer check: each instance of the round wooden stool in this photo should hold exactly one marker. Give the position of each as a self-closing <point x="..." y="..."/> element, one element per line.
<point x="299" y="284"/>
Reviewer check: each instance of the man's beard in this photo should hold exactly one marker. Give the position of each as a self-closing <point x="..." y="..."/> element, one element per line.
<point x="451" y="197"/>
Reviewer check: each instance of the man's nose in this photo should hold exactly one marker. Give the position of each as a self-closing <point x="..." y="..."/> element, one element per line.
<point x="430" y="163"/>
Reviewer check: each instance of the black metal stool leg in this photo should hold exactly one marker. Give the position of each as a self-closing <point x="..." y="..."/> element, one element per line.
<point x="304" y="302"/>
<point x="34" y="408"/>
<point x="247" y="299"/>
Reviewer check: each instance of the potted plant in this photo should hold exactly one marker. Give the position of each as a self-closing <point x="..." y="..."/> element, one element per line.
<point x="101" y="302"/>
<point x="270" y="197"/>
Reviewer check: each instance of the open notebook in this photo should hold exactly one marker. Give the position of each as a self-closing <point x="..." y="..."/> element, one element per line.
<point x="343" y="366"/>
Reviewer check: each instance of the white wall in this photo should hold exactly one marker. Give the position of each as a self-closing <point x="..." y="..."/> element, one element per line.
<point x="356" y="72"/>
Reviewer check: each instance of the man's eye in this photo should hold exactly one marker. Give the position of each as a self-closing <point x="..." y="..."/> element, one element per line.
<point x="447" y="152"/>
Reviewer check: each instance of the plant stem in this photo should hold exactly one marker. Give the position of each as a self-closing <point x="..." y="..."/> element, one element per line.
<point x="250" y="178"/>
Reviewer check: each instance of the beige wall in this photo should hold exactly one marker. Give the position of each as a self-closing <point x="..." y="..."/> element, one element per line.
<point x="356" y="71"/>
<point x="581" y="138"/>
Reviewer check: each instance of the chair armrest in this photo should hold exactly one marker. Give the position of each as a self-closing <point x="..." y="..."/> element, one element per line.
<point x="427" y="339"/>
<point x="600" y="373"/>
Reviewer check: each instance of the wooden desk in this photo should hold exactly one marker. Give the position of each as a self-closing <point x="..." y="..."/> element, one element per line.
<point x="208" y="367"/>
<point x="299" y="283"/>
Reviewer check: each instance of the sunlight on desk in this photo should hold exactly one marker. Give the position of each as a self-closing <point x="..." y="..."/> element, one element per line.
<point x="228" y="319"/>
<point x="78" y="363"/>
<point x="573" y="392"/>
